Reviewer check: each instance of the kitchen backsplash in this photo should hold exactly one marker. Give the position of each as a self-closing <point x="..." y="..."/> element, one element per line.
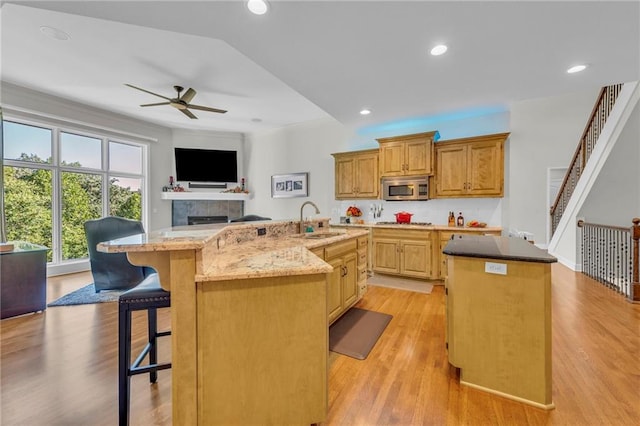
<point x="487" y="210"/>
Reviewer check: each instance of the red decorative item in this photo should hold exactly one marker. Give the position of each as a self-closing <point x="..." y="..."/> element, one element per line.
<point x="403" y="217"/>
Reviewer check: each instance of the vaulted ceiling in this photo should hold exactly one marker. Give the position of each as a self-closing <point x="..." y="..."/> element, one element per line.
<point x="306" y="60"/>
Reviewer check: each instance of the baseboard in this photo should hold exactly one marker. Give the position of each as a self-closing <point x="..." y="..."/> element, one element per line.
<point x="569" y="264"/>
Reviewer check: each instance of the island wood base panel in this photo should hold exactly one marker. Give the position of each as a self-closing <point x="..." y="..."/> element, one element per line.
<point x="499" y="327"/>
<point x="262" y="351"/>
<point x="550" y="406"/>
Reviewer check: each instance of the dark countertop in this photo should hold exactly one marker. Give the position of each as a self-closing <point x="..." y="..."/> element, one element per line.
<point x="490" y="247"/>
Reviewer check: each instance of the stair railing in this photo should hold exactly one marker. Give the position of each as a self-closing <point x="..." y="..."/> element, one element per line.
<point x="599" y="114"/>
<point x="610" y="256"/>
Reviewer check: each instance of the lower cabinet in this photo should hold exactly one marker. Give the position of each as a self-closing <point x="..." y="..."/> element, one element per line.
<point x="343" y="281"/>
<point x="445" y="236"/>
<point x="403" y="252"/>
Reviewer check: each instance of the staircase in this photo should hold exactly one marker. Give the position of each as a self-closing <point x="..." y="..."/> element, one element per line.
<point x="610" y="114"/>
<point x="590" y="135"/>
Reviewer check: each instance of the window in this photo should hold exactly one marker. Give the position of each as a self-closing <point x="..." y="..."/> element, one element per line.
<point x="55" y="180"/>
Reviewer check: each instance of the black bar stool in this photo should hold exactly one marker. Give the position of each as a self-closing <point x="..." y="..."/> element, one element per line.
<point x="149" y="296"/>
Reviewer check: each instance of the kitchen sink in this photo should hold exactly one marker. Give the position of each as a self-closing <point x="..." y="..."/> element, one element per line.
<point x="318" y="235"/>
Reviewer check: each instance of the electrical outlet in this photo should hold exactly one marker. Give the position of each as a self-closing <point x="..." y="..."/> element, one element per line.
<point x="262" y="231"/>
<point x="495" y="268"/>
<point x="320" y="225"/>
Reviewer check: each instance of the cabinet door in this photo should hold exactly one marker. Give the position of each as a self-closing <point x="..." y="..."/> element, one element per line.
<point x="350" y="280"/>
<point x="334" y="291"/>
<point x="418" y="158"/>
<point x="416" y="258"/>
<point x="386" y="256"/>
<point x="442" y="260"/>
<point x="367" y="182"/>
<point x="451" y="170"/>
<point x="485" y="168"/>
<point x="392" y="159"/>
<point x="344" y="175"/>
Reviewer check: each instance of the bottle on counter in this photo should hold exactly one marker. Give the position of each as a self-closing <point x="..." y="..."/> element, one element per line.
<point x="460" y="221"/>
<point x="452" y="219"/>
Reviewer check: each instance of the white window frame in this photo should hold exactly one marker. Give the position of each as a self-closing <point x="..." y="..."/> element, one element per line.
<point x="58" y="266"/>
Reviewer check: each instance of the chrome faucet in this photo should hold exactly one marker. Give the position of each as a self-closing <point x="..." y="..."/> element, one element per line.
<point x="301" y="208"/>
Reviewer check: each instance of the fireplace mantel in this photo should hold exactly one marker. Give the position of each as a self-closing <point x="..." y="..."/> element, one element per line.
<point x="204" y="195"/>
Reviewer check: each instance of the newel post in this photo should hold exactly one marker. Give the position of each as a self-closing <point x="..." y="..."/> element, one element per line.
<point x="635" y="283"/>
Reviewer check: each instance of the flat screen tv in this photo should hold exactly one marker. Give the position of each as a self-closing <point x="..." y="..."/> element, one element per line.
<point x="206" y="165"/>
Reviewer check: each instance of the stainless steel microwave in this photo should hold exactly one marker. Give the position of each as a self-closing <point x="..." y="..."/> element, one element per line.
<point x="411" y="188"/>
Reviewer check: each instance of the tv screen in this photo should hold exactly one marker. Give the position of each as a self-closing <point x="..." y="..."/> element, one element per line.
<point x="206" y="165"/>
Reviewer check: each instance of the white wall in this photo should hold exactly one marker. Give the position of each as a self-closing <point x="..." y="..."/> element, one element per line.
<point x="304" y="147"/>
<point x="614" y="198"/>
<point x="544" y="134"/>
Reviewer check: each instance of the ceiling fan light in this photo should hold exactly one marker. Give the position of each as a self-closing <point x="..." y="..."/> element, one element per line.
<point x="365" y="111"/>
<point x="258" y="7"/>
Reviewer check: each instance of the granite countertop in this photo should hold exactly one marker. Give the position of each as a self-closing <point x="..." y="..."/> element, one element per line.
<point x="492" y="247"/>
<point x="432" y="227"/>
<point x="235" y="251"/>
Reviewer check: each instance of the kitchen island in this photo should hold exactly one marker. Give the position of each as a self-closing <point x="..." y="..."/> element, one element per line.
<point x="248" y="319"/>
<point x="498" y="316"/>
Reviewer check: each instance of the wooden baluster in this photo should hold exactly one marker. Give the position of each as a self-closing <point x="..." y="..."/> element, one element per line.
<point x="635" y="285"/>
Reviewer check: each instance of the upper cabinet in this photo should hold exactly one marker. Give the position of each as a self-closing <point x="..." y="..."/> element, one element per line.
<point x="470" y="167"/>
<point x="408" y="155"/>
<point x="356" y="174"/>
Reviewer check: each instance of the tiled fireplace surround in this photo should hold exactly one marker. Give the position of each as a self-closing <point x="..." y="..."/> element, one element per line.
<point x="182" y="210"/>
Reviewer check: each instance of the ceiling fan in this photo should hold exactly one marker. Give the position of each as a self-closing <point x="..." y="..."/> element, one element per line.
<point x="181" y="103"/>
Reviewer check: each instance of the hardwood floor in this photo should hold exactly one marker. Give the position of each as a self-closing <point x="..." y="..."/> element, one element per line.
<point x="60" y="367"/>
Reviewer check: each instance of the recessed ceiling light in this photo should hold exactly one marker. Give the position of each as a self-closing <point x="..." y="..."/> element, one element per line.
<point x="54" y="33"/>
<point x="576" y="68"/>
<point x="257" y="120"/>
<point x="365" y="111"/>
<point x="438" y="50"/>
<point x="258" y="7"/>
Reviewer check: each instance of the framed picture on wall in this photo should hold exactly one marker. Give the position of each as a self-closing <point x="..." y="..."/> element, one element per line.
<point x="291" y="185"/>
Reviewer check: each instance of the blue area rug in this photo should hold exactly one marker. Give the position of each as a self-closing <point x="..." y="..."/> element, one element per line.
<point x="87" y="295"/>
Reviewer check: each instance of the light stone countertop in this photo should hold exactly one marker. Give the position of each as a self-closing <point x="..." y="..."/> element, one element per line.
<point x="433" y="227"/>
<point x="235" y="251"/>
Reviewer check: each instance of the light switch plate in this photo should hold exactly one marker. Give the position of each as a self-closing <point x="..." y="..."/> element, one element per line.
<point x="495" y="268"/>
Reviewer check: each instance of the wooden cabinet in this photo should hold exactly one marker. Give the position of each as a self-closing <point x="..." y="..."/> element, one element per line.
<point x="356" y="175"/>
<point x="342" y="290"/>
<point x="403" y="252"/>
<point x="409" y="155"/>
<point x="363" y="263"/>
<point x="445" y="236"/>
<point x="498" y="324"/>
<point x="470" y="167"/>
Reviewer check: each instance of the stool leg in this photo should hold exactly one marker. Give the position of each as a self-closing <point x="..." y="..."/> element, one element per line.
<point x="152" y="321"/>
<point x="124" y="363"/>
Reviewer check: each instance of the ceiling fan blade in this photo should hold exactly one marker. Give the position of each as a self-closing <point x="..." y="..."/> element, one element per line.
<point x="146" y="91"/>
<point x="188" y="113"/>
<point x="158" y="104"/>
<point x="204" y="108"/>
<point x="188" y="95"/>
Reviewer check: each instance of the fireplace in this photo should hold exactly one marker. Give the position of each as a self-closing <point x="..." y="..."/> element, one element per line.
<point x="192" y="212"/>
<point x="201" y="220"/>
